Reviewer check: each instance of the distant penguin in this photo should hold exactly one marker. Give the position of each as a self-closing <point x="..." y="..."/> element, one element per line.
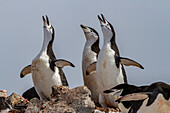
<point x="144" y="99"/>
<point x="108" y="67"/>
<point x="90" y="53"/>
<point x="45" y="68"/>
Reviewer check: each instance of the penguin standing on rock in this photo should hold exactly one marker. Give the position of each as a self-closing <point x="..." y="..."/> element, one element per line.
<point x="90" y="53"/>
<point x="109" y="65"/>
<point x="45" y="68"/>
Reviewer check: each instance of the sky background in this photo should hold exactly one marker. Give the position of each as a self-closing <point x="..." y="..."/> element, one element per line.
<point x="142" y="33"/>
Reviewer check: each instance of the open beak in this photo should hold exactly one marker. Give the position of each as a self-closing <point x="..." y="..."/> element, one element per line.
<point x="102" y="19"/>
<point x="46" y="21"/>
<point x="83" y="27"/>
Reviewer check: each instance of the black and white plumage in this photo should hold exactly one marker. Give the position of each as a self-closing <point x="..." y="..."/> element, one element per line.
<point x="154" y="98"/>
<point x="45" y="68"/>
<point x="122" y="90"/>
<point x="90" y="53"/>
<point x="109" y="65"/>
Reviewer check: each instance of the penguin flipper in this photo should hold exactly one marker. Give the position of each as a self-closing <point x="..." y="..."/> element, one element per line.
<point x="129" y="62"/>
<point x="91" y="68"/>
<point x="61" y="63"/>
<point x="134" y="97"/>
<point x="25" y="71"/>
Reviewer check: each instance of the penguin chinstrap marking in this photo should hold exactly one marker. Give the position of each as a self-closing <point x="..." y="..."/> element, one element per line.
<point x="154" y="98"/>
<point x="108" y="66"/>
<point x="90" y="53"/>
<point x="45" y="68"/>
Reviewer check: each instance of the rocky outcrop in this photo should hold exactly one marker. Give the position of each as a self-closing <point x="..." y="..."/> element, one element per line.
<point x="4" y="107"/>
<point x="64" y="100"/>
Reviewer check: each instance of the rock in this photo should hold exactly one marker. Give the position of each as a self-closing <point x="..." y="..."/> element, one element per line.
<point x="64" y="100"/>
<point x="30" y="93"/>
<point x="3" y="104"/>
<point x="33" y="106"/>
<point x="17" y="103"/>
<point x="3" y="94"/>
<point x="78" y="98"/>
<point x="14" y="103"/>
<point x="16" y="100"/>
<point x="4" y="107"/>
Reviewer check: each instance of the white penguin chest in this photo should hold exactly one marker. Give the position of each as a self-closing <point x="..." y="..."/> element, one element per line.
<point x="88" y="57"/>
<point x="43" y="77"/>
<point x="108" y="73"/>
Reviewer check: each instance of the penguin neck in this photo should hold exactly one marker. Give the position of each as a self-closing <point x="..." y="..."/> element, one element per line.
<point x="90" y="42"/>
<point x="107" y="39"/>
<point x="47" y="40"/>
<point x="110" y="40"/>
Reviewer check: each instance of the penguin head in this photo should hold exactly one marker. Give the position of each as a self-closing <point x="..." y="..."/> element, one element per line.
<point x="114" y="91"/>
<point x="48" y="28"/>
<point x="106" y="27"/>
<point x="90" y="33"/>
<point x="121" y="89"/>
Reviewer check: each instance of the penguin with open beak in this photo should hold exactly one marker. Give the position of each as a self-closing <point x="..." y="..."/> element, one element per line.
<point x="90" y="53"/>
<point x="45" y="68"/>
<point x="109" y="65"/>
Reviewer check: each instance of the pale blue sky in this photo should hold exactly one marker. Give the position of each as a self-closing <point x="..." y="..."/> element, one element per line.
<point x="142" y="33"/>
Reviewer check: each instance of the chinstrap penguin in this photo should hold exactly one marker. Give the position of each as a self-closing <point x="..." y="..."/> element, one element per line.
<point x="144" y="99"/>
<point x="45" y="68"/>
<point x="90" y="53"/>
<point x="122" y="90"/>
<point x="108" y="66"/>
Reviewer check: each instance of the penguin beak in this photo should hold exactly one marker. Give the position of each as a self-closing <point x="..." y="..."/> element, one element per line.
<point x="112" y="91"/>
<point x="83" y="27"/>
<point x="102" y="20"/>
<point x="46" y="21"/>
